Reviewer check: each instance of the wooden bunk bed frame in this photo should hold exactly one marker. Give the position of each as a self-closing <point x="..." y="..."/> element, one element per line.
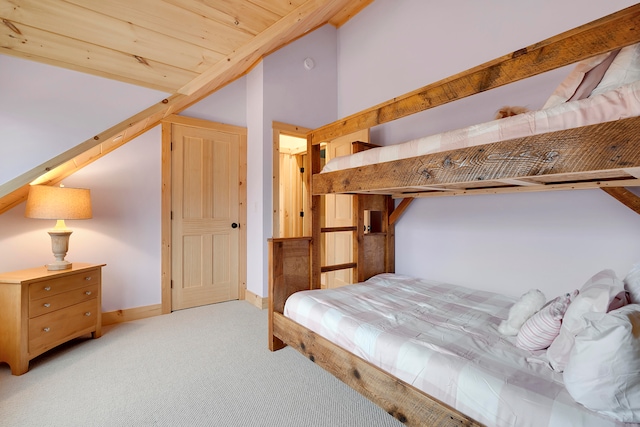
<point x="603" y="156"/>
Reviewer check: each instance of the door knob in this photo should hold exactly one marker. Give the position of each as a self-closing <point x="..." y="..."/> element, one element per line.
<point x="234" y="225"/>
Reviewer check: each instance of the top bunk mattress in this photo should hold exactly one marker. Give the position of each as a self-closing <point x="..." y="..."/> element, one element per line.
<point x="622" y="102"/>
<point x="444" y="340"/>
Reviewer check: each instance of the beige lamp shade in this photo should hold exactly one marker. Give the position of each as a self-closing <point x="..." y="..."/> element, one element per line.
<point x="46" y="202"/>
<point x="58" y="203"/>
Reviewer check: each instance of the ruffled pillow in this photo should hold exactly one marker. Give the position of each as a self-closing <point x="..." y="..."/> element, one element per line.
<point x="542" y="328"/>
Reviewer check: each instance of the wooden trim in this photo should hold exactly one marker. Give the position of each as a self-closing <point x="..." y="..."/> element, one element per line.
<point x="401" y="400"/>
<point x="602" y="35"/>
<point x="260" y="302"/>
<point x="624" y="196"/>
<point x="165" y="220"/>
<point x="204" y="124"/>
<point x="129" y="314"/>
<point x="549" y="187"/>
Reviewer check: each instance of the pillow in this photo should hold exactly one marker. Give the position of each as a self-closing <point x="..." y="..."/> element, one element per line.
<point x="594" y="296"/>
<point x="582" y="80"/>
<point x="624" y="69"/>
<point x="632" y="283"/>
<point x="542" y="328"/>
<point x="528" y="304"/>
<point x="603" y="370"/>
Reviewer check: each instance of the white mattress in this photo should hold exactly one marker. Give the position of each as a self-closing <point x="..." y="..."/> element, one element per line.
<point x="443" y="339"/>
<point x="620" y="103"/>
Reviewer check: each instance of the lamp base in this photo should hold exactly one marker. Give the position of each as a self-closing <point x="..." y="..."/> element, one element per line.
<point x="60" y="245"/>
<point x="59" y="265"/>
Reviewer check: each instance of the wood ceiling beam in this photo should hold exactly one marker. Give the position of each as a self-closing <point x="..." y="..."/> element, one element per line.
<point x="309" y="15"/>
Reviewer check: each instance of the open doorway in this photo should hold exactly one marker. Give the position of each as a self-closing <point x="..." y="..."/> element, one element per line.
<point x="290" y="180"/>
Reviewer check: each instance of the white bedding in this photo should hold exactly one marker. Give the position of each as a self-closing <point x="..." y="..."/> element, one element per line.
<point x="616" y="104"/>
<point x="443" y="339"/>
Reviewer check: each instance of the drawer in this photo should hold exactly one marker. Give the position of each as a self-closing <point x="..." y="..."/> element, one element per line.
<point x="51" y="329"/>
<point x="55" y="302"/>
<point x="59" y="285"/>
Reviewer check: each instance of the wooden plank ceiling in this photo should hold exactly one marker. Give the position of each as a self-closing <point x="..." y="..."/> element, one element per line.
<point x="188" y="48"/>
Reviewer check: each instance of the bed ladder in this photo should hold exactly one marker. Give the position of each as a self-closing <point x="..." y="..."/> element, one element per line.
<point x="373" y="232"/>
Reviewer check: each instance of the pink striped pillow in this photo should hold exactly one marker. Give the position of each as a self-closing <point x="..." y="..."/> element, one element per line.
<point x="543" y="327"/>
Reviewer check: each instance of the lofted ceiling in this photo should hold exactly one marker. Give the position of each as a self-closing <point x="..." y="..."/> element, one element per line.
<point x="187" y="48"/>
<point x="159" y="44"/>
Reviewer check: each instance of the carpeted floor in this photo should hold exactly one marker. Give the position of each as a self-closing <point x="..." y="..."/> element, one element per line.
<point x="206" y="366"/>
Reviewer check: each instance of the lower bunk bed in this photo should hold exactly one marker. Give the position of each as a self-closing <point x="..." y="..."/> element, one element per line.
<point x="430" y="353"/>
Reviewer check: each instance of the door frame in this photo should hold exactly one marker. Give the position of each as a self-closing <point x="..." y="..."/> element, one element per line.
<point x="167" y="123"/>
<point x="280" y="128"/>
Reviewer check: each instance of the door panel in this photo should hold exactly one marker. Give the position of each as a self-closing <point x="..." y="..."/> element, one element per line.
<point x="205" y="169"/>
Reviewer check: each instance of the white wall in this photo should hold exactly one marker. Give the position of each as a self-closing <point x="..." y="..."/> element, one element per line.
<point x="506" y="243"/>
<point x="286" y="92"/>
<point x="124" y="232"/>
<point x="70" y="108"/>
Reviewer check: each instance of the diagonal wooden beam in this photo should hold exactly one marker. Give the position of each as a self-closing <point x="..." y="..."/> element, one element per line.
<point x="625" y="197"/>
<point x="603" y="35"/>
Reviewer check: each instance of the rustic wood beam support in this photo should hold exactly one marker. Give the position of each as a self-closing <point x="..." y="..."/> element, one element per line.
<point x="398" y="211"/>
<point x="603" y="35"/>
<point x="624" y="196"/>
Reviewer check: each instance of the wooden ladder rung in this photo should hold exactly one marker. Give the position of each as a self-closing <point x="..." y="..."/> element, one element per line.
<point x="335" y="267"/>
<point x="338" y="229"/>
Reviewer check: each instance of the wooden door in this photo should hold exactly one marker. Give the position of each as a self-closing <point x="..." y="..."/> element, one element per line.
<point x="205" y="211"/>
<point x="339" y="213"/>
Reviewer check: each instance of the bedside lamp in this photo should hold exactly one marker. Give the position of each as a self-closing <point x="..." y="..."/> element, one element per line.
<point x="59" y="203"/>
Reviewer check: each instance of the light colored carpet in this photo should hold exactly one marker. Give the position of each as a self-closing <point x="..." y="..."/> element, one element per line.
<point x="206" y="366"/>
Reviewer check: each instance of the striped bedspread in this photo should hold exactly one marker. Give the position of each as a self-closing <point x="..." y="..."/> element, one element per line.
<point x="443" y="339"/>
<point x="616" y="104"/>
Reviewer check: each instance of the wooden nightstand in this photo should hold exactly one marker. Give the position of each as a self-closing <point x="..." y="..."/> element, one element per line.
<point x="41" y="309"/>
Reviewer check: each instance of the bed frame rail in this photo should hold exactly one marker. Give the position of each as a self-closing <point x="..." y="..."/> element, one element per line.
<point x="401" y="400"/>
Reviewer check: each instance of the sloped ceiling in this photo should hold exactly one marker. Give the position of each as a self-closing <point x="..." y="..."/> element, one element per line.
<point x="189" y="48"/>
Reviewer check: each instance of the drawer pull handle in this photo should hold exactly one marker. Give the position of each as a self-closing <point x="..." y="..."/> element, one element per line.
<point x="47" y="288"/>
<point x="46" y="304"/>
<point x="88" y="313"/>
<point x="88" y="293"/>
<point x="46" y="329"/>
<point x="87" y="278"/>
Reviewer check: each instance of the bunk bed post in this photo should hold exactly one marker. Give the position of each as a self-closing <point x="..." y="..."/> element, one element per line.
<point x="289" y="272"/>
<point x="313" y="157"/>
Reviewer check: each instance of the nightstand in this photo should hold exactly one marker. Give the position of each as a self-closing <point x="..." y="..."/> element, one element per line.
<point x="41" y="309"/>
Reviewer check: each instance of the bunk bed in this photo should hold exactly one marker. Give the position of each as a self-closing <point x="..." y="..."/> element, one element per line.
<point x="603" y="152"/>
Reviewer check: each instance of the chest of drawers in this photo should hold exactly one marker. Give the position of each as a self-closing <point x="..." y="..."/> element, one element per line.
<point x="41" y="309"/>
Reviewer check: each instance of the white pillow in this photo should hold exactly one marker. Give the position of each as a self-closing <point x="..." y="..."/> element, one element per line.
<point x="584" y="77"/>
<point x="594" y="296"/>
<point x="632" y="283"/>
<point x="603" y="373"/>
<point x="528" y="304"/>
<point x="542" y="328"/>
<point x="624" y="69"/>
